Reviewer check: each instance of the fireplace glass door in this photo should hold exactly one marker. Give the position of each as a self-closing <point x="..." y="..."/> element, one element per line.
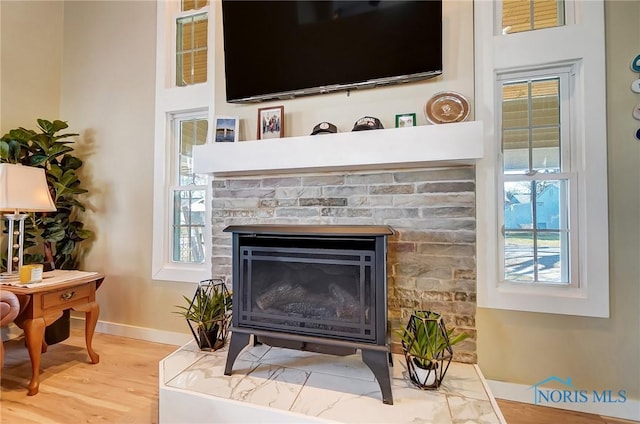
<point x="313" y="291"/>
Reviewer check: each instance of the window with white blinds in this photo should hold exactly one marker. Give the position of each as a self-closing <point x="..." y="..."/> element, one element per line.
<point x="184" y="95"/>
<point x="542" y="241"/>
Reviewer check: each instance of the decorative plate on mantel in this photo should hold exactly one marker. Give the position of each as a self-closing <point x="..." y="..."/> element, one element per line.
<point x="447" y="107"/>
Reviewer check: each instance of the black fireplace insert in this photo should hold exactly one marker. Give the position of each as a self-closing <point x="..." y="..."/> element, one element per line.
<point x="317" y="288"/>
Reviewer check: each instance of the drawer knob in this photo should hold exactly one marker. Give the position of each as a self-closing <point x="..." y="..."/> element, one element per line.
<point x="67" y="295"/>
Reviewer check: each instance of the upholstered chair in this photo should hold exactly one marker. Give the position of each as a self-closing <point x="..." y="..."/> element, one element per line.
<point x="9" y="309"/>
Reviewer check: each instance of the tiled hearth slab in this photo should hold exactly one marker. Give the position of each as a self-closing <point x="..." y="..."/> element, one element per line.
<point x="282" y="385"/>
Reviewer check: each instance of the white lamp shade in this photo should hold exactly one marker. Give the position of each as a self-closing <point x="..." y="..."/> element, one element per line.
<point x="24" y="188"/>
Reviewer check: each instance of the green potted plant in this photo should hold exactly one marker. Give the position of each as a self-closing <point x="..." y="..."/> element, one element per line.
<point x="426" y="344"/>
<point x="208" y="313"/>
<point x="57" y="239"/>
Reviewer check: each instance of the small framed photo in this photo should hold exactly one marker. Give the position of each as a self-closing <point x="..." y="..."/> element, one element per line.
<point x="405" y="120"/>
<point x="226" y="129"/>
<point x="271" y="122"/>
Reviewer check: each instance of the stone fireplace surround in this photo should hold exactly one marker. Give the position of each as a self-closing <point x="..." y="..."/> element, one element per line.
<point x="418" y="180"/>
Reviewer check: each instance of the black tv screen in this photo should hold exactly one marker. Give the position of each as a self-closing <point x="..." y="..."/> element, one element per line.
<point x="284" y="49"/>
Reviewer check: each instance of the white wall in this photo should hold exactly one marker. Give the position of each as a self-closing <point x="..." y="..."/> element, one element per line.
<point x="31" y="65"/>
<point x="108" y="94"/>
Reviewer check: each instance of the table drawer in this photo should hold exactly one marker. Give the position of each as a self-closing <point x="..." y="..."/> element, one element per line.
<point x="68" y="296"/>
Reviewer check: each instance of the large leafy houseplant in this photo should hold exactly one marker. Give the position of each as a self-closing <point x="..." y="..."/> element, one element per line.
<point x="208" y="313"/>
<point x="426" y="343"/>
<point x="55" y="238"/>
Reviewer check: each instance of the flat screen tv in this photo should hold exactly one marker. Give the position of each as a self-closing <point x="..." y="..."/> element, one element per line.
<point x="285" y="49"/>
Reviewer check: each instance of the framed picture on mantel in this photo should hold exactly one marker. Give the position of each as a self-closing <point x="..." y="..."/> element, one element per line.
<point x="405" y="120"/>
<point x="226" y="129"/>
<point x="271" y="122"/>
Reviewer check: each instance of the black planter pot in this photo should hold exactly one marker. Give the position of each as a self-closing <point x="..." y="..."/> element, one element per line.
<point x="209" y="339"/>
<point x="59" y="330"/>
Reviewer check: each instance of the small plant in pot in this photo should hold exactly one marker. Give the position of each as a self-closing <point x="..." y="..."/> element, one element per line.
<point x="426" y="343"/>
<point x="208" y="313"/>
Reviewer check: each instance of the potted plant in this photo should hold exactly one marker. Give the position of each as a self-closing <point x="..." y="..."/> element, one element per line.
<point x="426" y="344"/>
<point x="208" y="313"/>
<point x="57" y="239"/>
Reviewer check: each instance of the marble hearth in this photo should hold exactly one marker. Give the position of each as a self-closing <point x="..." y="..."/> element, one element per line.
<point x="286" y="386"/>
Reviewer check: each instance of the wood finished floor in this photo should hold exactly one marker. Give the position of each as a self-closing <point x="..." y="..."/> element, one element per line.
<point x="123" y="387"/>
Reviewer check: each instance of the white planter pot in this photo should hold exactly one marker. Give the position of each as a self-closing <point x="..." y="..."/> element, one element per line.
<point x="426" y="377"/>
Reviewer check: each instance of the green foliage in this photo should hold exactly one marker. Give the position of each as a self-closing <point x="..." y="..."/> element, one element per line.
<point x="425" y="337"/>
<point x="209" y="304"/>
<point x="60" y="232"/>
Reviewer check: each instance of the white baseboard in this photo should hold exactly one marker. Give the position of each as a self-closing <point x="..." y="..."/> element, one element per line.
<point x="134" y="332"/>
<point x="628" y="410"/>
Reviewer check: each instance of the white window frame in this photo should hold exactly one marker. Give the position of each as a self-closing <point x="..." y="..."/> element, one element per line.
<point x="565" y="74"/>
<point x="172" y="100"/>
<point x="579" y="44"/>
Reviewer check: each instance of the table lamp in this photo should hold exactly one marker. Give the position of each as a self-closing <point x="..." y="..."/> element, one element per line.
<point x="22" y="189"/>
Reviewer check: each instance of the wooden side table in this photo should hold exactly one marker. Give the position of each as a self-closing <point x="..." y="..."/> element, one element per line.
<point x="43" y="303"/>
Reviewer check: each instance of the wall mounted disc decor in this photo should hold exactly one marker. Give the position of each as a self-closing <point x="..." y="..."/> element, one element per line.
<point x="447" y="107"/>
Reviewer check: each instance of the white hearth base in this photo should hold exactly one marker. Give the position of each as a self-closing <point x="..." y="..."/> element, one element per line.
<point x="290" y="386"/>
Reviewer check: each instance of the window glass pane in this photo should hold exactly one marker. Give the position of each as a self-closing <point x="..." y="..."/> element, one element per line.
<point x="518" y="256"/>
<point x="527" y="15"/>
<point x="553" y="263"/>
<point x="546" y="103"/>
<point x="191" y="49"/>
<point x="546" y="149"/>
<point x="518" y="211"/>
<point x="193" y="4"/>
<point x="531" y="126"/>
<point x="188" y="226"/>
<point x="536" y="223"/>
<point x="515" y="106"/>
<point x="551" y="210"/>
<point x="193" y="132"/>
<point x="516" y="151"/>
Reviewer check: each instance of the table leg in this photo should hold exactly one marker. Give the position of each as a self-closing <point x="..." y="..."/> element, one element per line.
<point x="92" y="310"/>
<point x="34" y="335"/>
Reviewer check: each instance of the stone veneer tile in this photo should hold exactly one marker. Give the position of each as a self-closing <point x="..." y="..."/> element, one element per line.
<point x="244" y="183"/>
<point x="446" y="174"/>
<point x="297" y="192"/>
<point x="281" y="182"/>
<point x="446" y="187"/>
<point x="450" y="212"/>
<point x="383" y="178"/>
<point x="323" y="180"/>
<point x="339" y="191"/>
<point x="392" y="189"/>
<point x="441" y="249"/>
<point x="340" y="201"/>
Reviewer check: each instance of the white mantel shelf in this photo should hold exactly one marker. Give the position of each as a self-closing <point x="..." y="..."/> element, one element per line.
<point x="409" y="147"/>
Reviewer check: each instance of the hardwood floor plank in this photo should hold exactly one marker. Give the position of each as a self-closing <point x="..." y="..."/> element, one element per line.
<point x="523" y="413"/>
<point x="122" y="388"/>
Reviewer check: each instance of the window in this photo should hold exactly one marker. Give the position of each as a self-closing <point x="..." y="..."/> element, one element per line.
<point x="184" y="95"/>
<point x="535" y="179"/>
<point x="189" y="194"/>
<point x="542" y="236"/>
<point x="527" y="15"/>
<point x="191" y="49"/>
